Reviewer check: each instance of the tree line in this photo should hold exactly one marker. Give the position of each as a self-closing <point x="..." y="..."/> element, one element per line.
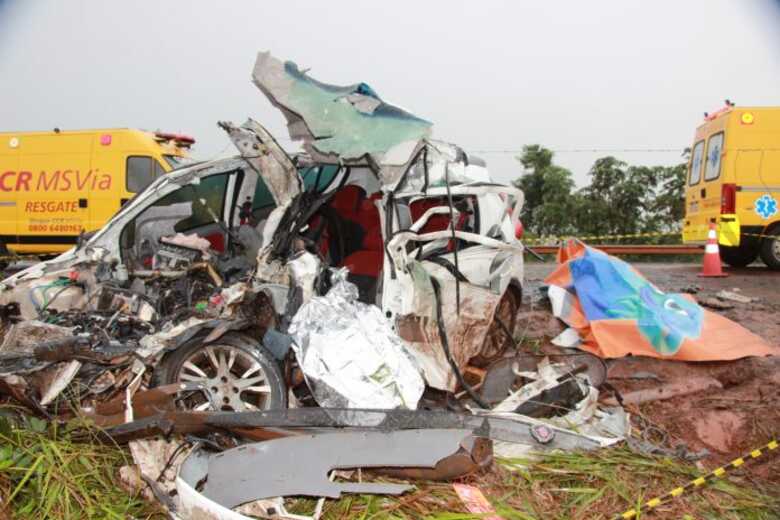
<point x="621" y="199"/>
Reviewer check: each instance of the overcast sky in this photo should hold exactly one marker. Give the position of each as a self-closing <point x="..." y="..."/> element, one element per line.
<point x="491" y="75"/>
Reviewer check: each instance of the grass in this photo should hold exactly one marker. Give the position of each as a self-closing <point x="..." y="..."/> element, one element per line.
<point x="43" y="474"/>
<point x="606" y="483"/>
<point x="570" y="486"/>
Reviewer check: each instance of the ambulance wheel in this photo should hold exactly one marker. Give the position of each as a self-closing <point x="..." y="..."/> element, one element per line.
<point x="770" y="249"/>
<point x="741" y="256"/>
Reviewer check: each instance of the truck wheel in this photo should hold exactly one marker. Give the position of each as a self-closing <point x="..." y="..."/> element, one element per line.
<point x="770" y="250"/>
<point x="236" y="374"/>
<point x="741" y="256"/>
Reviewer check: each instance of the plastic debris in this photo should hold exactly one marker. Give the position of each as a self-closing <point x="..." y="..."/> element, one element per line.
<point x="617" y="312"/>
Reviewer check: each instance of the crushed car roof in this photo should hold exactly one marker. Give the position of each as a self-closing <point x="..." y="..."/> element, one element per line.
<point x="345" y="121"/>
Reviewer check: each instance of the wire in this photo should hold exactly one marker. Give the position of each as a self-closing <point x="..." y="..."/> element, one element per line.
<point x="454" y="239"/>
<point x="44" y="288"/>
<point x="51" y="300"/>
<point x="446" y="347"/>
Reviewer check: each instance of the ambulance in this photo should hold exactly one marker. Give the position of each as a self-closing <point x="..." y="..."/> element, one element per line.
<point x="54" y="185"/>
<point x="734" y="182"/>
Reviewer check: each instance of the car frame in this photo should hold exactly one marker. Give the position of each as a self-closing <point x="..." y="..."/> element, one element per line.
<point x="432" y="243"/>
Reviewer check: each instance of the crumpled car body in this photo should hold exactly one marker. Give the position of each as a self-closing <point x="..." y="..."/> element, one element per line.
<point x="425" y="233"/>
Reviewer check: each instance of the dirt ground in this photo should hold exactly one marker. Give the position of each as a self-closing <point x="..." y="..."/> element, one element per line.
<point x="728" y="421"/>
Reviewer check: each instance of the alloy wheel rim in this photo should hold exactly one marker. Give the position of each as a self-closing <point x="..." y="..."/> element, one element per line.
<point x="230" y="379"/>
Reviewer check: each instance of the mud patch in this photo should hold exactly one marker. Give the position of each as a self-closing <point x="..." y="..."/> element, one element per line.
<point x="538" y="324"/>
<point x="718" y="429"/>
<point x="735" y="374"/>
<point x="731" y="421"/>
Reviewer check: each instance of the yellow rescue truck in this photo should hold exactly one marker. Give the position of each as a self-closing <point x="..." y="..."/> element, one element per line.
<point x="54" y="185"/>
<point x="734" y="182"/>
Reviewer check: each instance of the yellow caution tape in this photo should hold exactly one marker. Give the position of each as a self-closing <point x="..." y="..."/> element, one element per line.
<point x="538" y="241"/>
<point x="547" y="240"/>
<point x="700" y="481"/>
<point x="556" y="240"/>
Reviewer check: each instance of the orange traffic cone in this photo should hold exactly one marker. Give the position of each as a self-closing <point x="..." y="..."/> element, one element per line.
<point x="711" y="266"/>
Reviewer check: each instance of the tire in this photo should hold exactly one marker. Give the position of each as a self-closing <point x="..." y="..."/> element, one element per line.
<point x="770" y="250"/>
<point x="227" y="386"/>
<point x="497" y="339"/>
<point x="741" y="256"/>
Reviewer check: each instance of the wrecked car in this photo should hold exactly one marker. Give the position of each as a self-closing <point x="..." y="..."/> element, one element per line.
<point x="198" y="280"/>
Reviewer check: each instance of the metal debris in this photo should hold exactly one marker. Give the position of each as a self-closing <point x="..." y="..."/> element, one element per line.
<point x="300" y="465"/>
<point x="354" y="107"/>
<point x="192" y="504"/>
<point x="564" y="397"/>
<point x="508" y="427"/>
<point x="734" y="296"/>
<point x="689" y="386"/>
<point x="716" y="303"/>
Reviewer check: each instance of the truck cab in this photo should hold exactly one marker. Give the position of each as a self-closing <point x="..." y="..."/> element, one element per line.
<point x="734" y="182"/>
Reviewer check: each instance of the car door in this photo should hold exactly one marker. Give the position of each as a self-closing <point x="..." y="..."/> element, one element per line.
<point x="268" y="159"/>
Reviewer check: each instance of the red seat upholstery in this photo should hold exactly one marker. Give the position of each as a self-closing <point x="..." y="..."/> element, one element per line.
<point x="364" y="263"/>
<point x="217" y="241"/>
<point x="352" y="204"/>
<point x="348" y="202"/>
<point x="367" y="261"/>
<point x="436" y="222"/>
<point x="370" y="222"/>
<point x="372" y="240"/>
<point x="439" y="222"/>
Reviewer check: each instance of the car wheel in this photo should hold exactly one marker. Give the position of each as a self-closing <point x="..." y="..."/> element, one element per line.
<point x="234" y="373"/>
<point x="498" y="339"/>
<point x="739" y="256"/>
<point x="770" y="250"/>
